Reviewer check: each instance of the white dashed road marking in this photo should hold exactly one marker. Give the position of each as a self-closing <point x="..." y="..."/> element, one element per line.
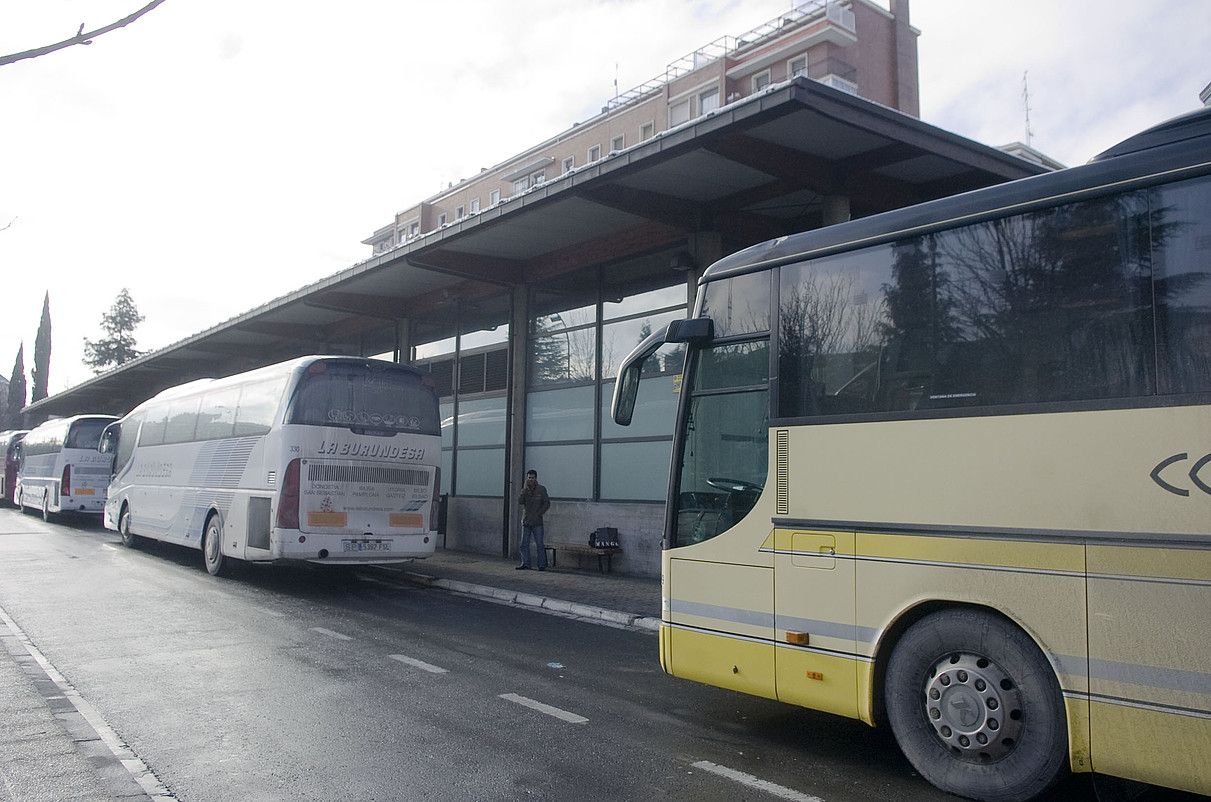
<point x="421" y="664"/>
<point x="330" y="633"/>
<point x="780" y="791"/>
<point x="562" y="715"/>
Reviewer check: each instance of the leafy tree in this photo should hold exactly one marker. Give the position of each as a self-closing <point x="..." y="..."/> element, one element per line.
<point x="118" y="344"/>
<point x="16" y="393"/>
<point x="41" y="371"/>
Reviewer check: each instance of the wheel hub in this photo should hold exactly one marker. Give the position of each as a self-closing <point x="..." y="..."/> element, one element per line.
<point x="974" y="706"/>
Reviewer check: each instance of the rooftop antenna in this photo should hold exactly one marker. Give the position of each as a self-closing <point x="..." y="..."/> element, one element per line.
<point x="615" y="79"/>
<point x="1026" y="104"/>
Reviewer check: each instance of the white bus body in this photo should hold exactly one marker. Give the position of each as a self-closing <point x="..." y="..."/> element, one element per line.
<point x="60" y="468"/>
<point x="323" y="459"/>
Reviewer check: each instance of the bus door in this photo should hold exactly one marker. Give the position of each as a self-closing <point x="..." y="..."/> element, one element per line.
<point x="814" y="618"/>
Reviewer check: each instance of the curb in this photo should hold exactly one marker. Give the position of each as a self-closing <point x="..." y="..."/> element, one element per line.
<point x="575" y="609"/>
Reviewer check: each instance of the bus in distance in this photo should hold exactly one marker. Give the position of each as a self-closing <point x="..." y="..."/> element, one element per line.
<point x="331" y="460"/>
<point x="59" y="469"/>
<point x="9" y="440"/>
<point x="947" y="469"/>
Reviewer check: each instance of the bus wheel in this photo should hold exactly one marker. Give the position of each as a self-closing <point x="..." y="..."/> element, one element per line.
<point x="129" y="539"/>
<point x="976" y="707"/>
<point x="212" y="547"/>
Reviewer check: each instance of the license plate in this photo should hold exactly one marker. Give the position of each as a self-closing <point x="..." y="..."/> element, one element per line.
<point x="85" y="491"/>
<point x="366" y="545"/>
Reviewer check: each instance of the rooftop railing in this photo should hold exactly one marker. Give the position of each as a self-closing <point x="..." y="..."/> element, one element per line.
<point x="836" y="12"/>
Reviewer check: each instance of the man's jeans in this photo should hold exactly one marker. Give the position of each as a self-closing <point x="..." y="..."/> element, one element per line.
<point x="535" y="532"/>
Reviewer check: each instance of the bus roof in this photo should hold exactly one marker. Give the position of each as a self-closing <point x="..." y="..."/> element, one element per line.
<point x="268" y="371"/>
<point x="1181" y="144"/>
<point x="67" y="422"/>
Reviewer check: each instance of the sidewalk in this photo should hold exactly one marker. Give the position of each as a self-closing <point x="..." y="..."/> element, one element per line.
<point x="47" y="750"/>
<point x="628" y="600"/>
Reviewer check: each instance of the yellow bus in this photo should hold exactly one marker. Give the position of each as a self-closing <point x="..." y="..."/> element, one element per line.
<point x="948" y="470"/>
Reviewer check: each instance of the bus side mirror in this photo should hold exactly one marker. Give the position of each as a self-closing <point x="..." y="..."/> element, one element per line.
<point x="626" y="388"/>
<point x="108" y="444"/>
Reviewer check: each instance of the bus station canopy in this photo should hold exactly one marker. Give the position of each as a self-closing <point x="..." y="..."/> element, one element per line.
<point x="756" y="169"/>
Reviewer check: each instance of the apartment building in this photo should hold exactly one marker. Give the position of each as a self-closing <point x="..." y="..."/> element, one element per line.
<point x="856" y="46"/>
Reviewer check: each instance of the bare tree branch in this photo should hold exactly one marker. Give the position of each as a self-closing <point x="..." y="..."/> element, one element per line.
<point x="81" y="37"/>
<point x="8" y="225"/>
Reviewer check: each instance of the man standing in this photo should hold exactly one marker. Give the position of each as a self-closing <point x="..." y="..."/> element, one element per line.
<point x="534" y="502"/>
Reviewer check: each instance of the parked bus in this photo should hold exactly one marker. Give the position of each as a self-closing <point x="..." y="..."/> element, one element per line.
<point x="946" y="469"/>
<point x="59" y="469"/>
<point x="8" y="464"/>
<point x="324" y="459"/>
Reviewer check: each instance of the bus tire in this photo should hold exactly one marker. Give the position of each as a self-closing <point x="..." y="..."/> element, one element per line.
<point x="129" y="539"/>
<point x="976" y="707"/>
<point x="212" y="547"/>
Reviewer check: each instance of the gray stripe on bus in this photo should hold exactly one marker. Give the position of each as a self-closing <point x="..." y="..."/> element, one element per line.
<point x="933" y="563"/>
<point x="829" y="629"/>
<point x="1195" y="541"/>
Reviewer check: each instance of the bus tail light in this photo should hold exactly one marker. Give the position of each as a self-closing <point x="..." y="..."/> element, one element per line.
<point x="435" y="508"/>
<point x="65" y="484"/>
<point x="288" y="501"/>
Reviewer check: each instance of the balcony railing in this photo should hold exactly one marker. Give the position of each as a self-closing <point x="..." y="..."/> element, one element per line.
<point x="838" y="13"/>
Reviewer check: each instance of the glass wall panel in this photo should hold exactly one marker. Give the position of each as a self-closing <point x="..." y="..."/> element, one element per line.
<point x="565" y="470"/>
<point x="430" y="350"/>
<point x="564" y="414"/>
<point x="635" y="471"/>
<point x="481" y="422"/>
<point x="738" y="305"/>
<point x="478" y="339"/>
<point x="655" y="409"/>
<point x="619" y="339"/>
<point x="1181" y="257"/>
<point x="446" y="410"/>
<point x="634" y="304"/>
<point x="447" y="469"/>
<point x="481" y="471"/>
<point x="565" y="357"/>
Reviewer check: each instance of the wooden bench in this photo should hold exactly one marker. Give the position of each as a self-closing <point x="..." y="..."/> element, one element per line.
<point x="584" y="551"/>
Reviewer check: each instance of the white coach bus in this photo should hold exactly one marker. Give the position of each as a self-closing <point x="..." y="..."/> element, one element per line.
<point x="322" y="459"/>
<point x="60" y="469"/>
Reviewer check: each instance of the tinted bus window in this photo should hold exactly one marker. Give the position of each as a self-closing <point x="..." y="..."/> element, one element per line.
<point x="351" y="394"/>
<point x="182" y="420"/>
<point x="153" y="430"/>
<point x="86" y="434"/>
<point x="1181" y="243"/>
<point x="258" y="405"/>
<point x="1049" y="306"/>
<point x="126" y="442"/>
<point x="738" y="305"/>
<point x="216" y="417"/>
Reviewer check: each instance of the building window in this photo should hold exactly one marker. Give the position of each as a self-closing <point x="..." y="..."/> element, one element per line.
<point x="679" y="112"/>
<point x="761" y="80"/>
<point x="708" y="101"/>
<point x="797" y="66"/>
<point x="594" y="153"/>
<point x="475" y="206"/>
<point x="647" y="131"/>
<point x="538" y="178"/>
<point x="494" y="197"/>
<point x="441" y="219"/>
<point x="414" y="229"/>
<point x="460" y="212"/>
<point x="619" y="142"/>
<point x="521" y="185"/>
<point x="567" y="164"/>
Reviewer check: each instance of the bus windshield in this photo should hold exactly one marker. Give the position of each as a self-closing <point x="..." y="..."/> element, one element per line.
<point x="358" y="394"/>
<point x="86" y="434"/>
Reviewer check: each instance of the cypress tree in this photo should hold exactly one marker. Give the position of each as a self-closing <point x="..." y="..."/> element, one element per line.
<point x="16" y="393"/>
<point x="41" y="371"/>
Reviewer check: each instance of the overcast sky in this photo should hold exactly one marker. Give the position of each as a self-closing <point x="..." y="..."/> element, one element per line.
<point x="215" y="155"/>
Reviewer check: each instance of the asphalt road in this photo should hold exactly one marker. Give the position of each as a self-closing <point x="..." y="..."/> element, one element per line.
<point x="293" y="684"/>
